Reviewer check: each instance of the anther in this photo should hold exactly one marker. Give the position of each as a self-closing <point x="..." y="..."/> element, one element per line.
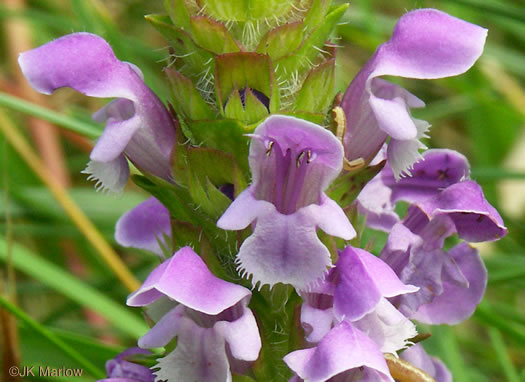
<point x="299" y="159"/>
<point x="308" y="156"/>
<point x="340" y="122"/>
<point x="269" y="149"/>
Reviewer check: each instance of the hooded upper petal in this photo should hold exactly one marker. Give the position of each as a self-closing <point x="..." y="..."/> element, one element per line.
<point x="137" y="123"/>
<point x="292" y="162"/>
<point x="438" y="169"/>
<point x="185" y="278"/>
<point x="361" y="281"/>
<point x="144" y="226"/>
<point x="425" y="44"/>
<point x="474" y="218"/>
<point x="344" y="349"/>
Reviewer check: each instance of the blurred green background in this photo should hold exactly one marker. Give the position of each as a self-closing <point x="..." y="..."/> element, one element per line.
<point x="74" y="305"/>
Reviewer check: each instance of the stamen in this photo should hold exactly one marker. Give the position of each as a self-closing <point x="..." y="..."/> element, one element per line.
<point x="269" y="149"/>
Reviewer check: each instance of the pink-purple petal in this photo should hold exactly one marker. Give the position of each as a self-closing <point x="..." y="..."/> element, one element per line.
<point x="316" y="323"/>
<point x="329" y="217"/>
<point x="437" y="170"/>
<point x="362" y="280"/>
<point x="121" y="370"/>
<point x="144" y="226"/>
<point x="374" y="202"/>
<point x="292" y="162"/>
<point x="199" y="356"/>
<point x="164" y="330"/>
<point x="356" y="293"/>
<point x="242" y="335"/>
<point x="111" y="175"/>
<point x="391" y="105"/>
<point x="457" y="302"/>
<point x="425" y="44"/>
<point x="284" y="248"/>
<point x="185" y="278"/>
<point x="428" y="44"/>
<point x="434" y="367"/>
<point x="388" y="327"/>
<point x="384" y="277"/>
<point x="243" y="211"/>
<point x="475" y="219"/>
<point x="82" y="61"/>
<point x="296" y="135"/>
<point x="116" y="136"/>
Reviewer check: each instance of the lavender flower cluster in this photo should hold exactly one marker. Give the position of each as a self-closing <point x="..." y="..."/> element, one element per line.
<point x="355" y="306"/>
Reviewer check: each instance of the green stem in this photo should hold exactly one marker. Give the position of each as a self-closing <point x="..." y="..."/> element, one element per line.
<point x="276" y="315"/>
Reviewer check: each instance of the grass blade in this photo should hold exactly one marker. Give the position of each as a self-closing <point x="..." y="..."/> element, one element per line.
<point x="64" y="283"/>
<point x="72" y="353"/>
<point x="29" y="108"/>
<point x="501" y="354"/>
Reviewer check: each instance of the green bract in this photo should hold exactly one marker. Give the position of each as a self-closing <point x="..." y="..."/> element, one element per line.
<point x="246" y="59"/>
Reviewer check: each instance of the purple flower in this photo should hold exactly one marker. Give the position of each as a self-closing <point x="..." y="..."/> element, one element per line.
<point x="417" y="356"/>
<point x="356" y="290"/>
<point x="474" y="219"/>
<point x="451" y="282"/>
<point x="146" y="226"/>
<point x="344" y="354"/>
<point x="438" y="169"/>
<point x="292" y="163"/>
<point x="120" y="370"/>
<point x="439" y="186"/>
<point x="137" y="123"/>
<point x="425" y="44"/>
<point x="216" y="332"/>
